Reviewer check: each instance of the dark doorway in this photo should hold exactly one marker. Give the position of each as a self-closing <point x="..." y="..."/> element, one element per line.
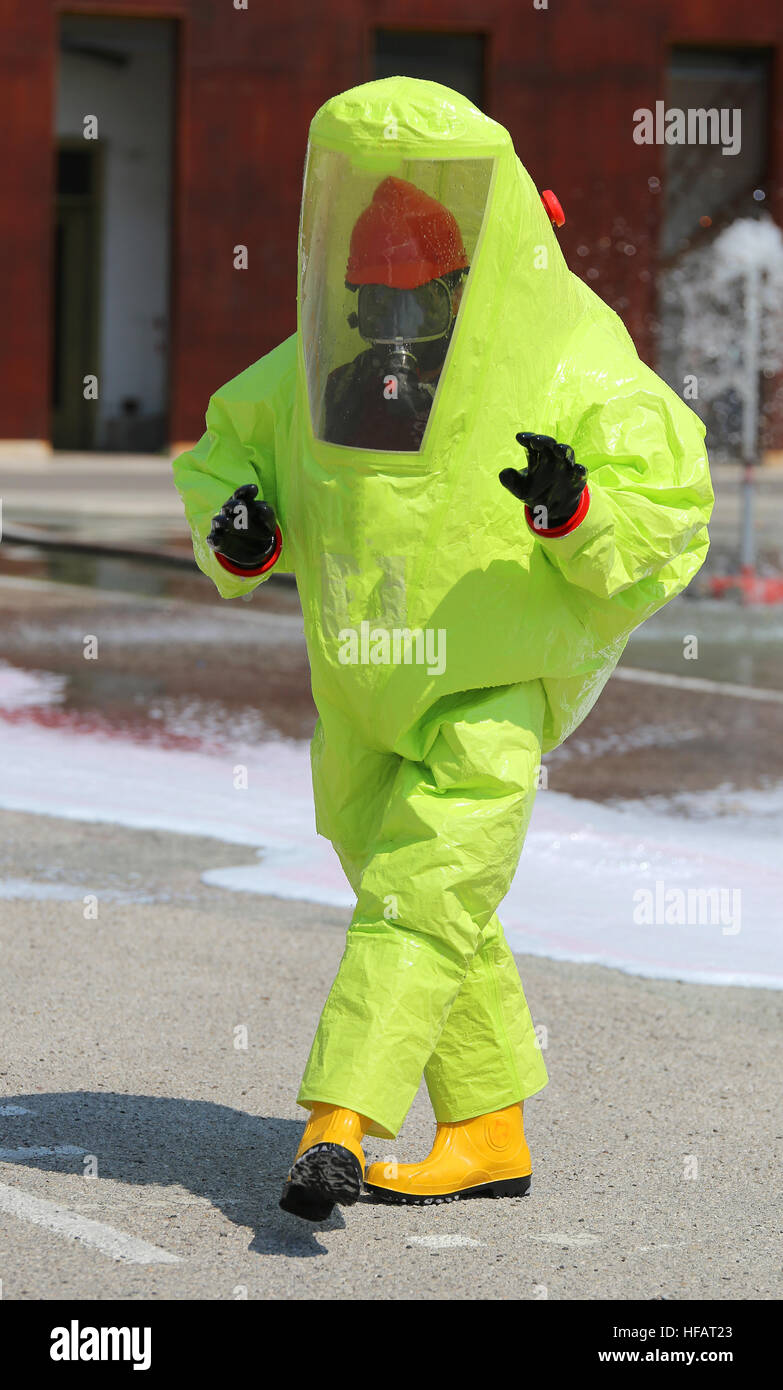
<point x="704" y="188"/>
<point x="112" y="236"/>
<point x="454" y="60"/>
<point x="75" y="288"/>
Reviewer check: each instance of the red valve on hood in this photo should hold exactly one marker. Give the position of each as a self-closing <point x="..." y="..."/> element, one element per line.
<point x="554" y="207"/>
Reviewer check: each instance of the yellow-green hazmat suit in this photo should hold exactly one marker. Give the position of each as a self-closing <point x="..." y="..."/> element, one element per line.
<point x="450" y="644"/>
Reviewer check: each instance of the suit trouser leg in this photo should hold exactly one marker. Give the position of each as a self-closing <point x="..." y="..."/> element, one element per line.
<point x="445" y="842"/>
<point x="487" y="1055"/>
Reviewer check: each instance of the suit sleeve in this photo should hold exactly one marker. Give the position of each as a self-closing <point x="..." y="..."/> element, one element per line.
<point x="643" y="533"/>
<point x="246" y="441"/>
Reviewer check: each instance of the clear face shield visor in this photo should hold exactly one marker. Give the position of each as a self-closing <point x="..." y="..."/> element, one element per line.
<point x="386" y="246"/>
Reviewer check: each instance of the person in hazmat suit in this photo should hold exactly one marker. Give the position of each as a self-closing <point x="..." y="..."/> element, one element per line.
<point x="481" y="491"/>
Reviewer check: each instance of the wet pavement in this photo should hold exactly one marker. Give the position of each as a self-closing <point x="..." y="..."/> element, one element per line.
<point x="179" y="667"/>
<point x="167" y="671"/>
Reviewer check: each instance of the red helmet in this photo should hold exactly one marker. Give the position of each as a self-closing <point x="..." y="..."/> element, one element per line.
<point x="403" y="239"/>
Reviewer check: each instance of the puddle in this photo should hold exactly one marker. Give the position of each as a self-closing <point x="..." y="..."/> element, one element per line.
<point x="117" y="574"/>
<point x="743" y="646"/>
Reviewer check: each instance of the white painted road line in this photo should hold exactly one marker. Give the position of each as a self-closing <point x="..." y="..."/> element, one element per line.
<point x="444" y="1242"/>
<point x="741" y="692"/>
<point x="94" y="1234"/>
<point x="38" y="1151"/>
<point x="15" y="1110"/>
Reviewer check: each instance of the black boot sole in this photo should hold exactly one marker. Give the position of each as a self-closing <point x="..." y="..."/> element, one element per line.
<point x="324" y="1175"/>
<point x="507" y="1187"/>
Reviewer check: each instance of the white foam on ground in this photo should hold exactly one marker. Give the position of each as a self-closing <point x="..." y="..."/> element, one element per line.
<point x="21" y="689"/>
<point x="38" y="891"/>
<point x="573" y="897"/>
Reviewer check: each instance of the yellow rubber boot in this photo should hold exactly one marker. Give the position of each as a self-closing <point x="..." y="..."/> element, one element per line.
<point x="329" y="1163"/>
<point x="484" y="1157"/>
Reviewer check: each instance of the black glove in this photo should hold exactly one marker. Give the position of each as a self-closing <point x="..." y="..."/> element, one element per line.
<point x="244" y="529"/>
<point x="553" y="480"/>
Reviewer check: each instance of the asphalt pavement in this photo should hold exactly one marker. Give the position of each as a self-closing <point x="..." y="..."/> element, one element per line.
<point x="150" y="1060"/>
